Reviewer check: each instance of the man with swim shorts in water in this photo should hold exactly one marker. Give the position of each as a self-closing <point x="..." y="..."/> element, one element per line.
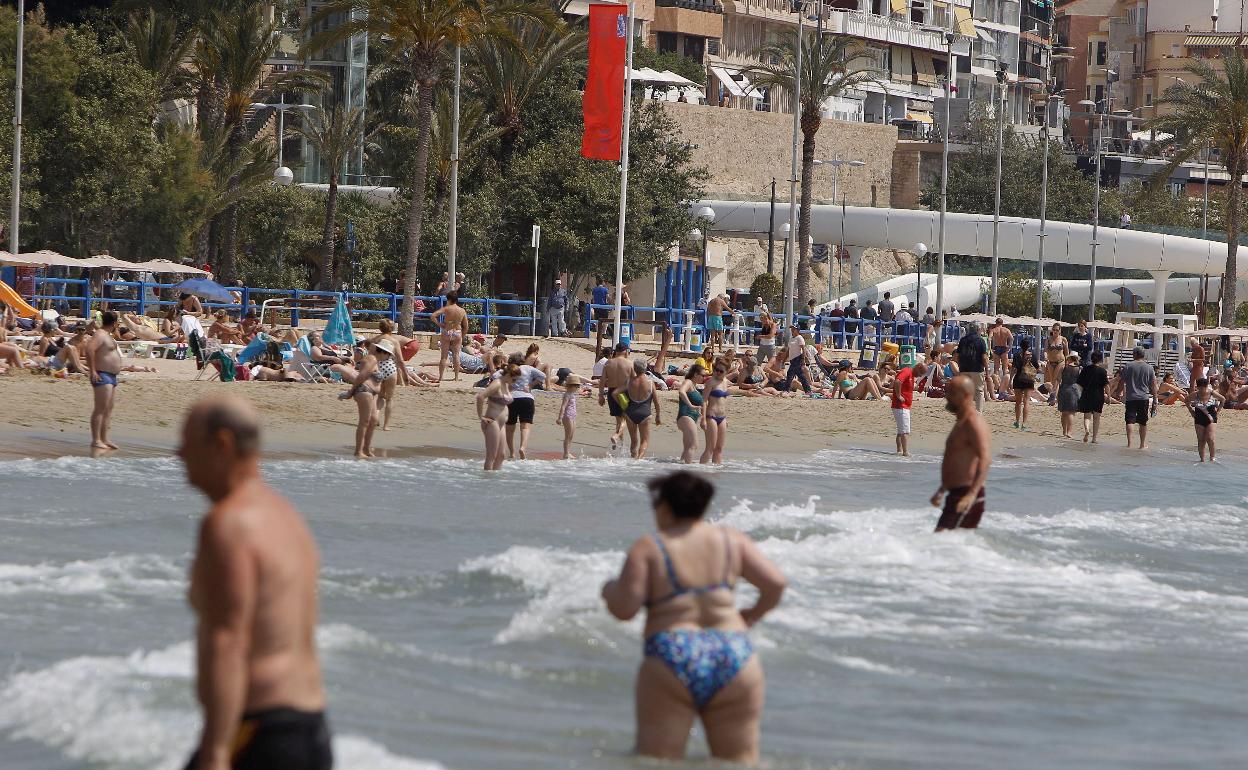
<point x="968" y="453"/>
<point x="1002" y="341"/>
<point x="254" y="592"/>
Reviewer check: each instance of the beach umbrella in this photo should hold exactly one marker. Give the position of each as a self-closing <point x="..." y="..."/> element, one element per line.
<point x="202" y="287"/>
<point x="164" y="266"/>
<point x="338" y="329"/>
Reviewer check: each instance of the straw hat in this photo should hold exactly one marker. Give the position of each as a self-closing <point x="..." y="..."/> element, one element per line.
<point x="387" y="346"/>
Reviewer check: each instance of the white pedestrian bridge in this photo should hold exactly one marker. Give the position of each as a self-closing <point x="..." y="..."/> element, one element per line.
<point x="864" y="227"/>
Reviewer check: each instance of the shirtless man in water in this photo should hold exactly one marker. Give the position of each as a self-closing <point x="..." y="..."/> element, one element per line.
<point x="615" y="376"/>
<point x="964" y="470"/>
<point x="253" y="589"/>
<point x="103" y="365"/>
<point x="453" y="322"/>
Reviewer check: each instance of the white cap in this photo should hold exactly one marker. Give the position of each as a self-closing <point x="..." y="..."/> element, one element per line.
<point x="558" y="280"/>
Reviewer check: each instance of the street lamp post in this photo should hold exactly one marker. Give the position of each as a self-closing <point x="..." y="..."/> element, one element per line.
<point x="706" y="213"/>
<point x="920" y="252"/>
<point x="950" y="73"/>
<point x="282" y="175"/>
<point x="1096" y="204"/>
<point x="15" y="214"/>
<point x="996" y="213"/>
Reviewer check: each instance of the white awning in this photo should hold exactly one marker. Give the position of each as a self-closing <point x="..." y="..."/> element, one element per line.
<point x="736" y="83"/>
<point x="985" y="35"/>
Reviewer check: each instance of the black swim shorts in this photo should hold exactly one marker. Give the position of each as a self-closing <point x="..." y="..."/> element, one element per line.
<point x="951" y="519"/>
<point x="520" y="410"/>
<point x="280" y="739"/>
<point x="1137" y="412"/>
<point x="613" y="405"/>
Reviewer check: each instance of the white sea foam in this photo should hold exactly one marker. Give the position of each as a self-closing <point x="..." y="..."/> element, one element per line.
<point x="136" y="710"/>
<point x="139" y="471"/>
<point x="145" y="574"/>
<point x="565" y="588"/>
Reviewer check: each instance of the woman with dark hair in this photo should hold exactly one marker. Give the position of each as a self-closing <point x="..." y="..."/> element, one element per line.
<point x="1023" y="380"/>
<point x="492" y="406"/>
<point x="699" y="661"/>
<point x="1202" y="405"/>
<point x="1093" y="379"/>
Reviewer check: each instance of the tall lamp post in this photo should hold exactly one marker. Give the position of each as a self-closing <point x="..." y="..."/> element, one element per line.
<point x="281" y="174"/>
<point x="920" y="253"/>
<point x="1096" y="202"/>
<point x="789" y="244"/>
<point x="1002" y="72"/>
<point x="15" y="214"/>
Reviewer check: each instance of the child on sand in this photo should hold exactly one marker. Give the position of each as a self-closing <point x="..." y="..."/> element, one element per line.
<point x="567" y="410"/>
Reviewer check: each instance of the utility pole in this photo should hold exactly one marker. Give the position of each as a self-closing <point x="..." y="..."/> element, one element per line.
<point x="950" y="73"/>
<point x="996" y="213"/>
<point x="1096" y="217"/>
<point x="771" y="228"/>
<point x="797" y="127"/>
<point x="16" y="213"/>
<point x="452" y="247"/>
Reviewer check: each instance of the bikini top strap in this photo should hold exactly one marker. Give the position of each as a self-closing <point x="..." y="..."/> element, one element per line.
<point x="677" y="588"/>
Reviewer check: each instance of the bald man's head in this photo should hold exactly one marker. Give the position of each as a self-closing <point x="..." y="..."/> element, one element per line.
<point x="958" y="393"/>
<point x="220" y="439"/>
<point x="228" y="415"/>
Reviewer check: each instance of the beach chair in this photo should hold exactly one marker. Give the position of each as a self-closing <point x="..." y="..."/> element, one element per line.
<point x="203" y="350"/>
<point x="301" y="363"/>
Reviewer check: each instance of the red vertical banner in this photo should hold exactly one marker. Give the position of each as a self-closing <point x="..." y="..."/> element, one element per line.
<point x="603" y="105"/>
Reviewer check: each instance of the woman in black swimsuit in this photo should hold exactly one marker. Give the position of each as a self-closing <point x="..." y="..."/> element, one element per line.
<point x="1203" y="406"/>
<point x="1023" y="373"/>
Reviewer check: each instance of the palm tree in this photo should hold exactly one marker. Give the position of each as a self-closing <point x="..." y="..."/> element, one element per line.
<point x="422" y="34"/>
<point x="335" y="136"/>
<point x="509" y="74"/>
<point x="829" y="68"/>
<point x="475" y="132"/>
<point x="161" y="48"/>
<point x="1212" y="111"/>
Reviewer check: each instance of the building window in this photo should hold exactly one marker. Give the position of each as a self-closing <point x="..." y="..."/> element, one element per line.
<point x="1148" y="99"/>
<point x="1101" y="53"/>
<point x="666" y="42"/>
<point x="695" y="47"/>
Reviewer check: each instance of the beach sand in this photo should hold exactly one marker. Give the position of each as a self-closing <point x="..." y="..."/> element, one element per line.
<point x="46" y="418"/>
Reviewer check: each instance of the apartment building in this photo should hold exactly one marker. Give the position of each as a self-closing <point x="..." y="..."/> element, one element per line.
<point x="903" y="40"/>
<point x="1077" y="25"/>
<point x="346" y="66"/>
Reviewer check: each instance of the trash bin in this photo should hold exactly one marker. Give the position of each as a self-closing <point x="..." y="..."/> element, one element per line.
<point x="540" y="329"/>
<point x="508" y="326"/>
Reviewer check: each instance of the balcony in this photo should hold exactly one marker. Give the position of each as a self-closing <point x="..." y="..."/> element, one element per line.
<point x="689" y="17"/>
<point x="886" y="29"/>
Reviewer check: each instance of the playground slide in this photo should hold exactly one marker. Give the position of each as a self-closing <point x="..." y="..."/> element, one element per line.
<point x="10" y="297"/>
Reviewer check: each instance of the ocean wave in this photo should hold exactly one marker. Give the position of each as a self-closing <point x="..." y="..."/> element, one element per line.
<point x="144" y="574"/>
<point x="137" y="710"/>
<point x="564" y="587"/>
<point x="130" y="470"/>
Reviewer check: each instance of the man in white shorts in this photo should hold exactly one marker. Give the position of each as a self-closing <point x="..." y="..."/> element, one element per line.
<point x="903" y="397"/>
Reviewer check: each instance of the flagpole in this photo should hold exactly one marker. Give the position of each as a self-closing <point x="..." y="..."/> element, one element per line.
<point x="619" y="239"/>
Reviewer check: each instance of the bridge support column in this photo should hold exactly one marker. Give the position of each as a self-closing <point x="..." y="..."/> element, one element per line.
<point x="855" y="267"/>
<point x="1159" y="303"/>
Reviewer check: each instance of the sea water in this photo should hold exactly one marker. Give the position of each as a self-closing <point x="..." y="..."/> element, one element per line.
<point x="1099" y="619"/>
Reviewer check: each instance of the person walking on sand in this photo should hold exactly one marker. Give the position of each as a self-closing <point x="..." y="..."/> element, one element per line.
<point x="103" y="365"/>
<point x="968" y="453"/>
<point x="715" y="322"/>
<point x="615" y="375"/>
<point x="1137" y="387"/>
<point x="1002" y="340"/>
<point x="1068" y="393"/>
<point x="641" y="404"/>
<point x="522" y="407"/>
<point x="492" y="403"/>
<point x="1022" y="381"/>
<point x="556" y="307"/>
<point x="567" y="410"/>
<point x="1203" y="404"/>
<point x="689" y="412"/>
<point x="797" y="361"/>
<point x="972" y="354"/>
<point x="254" y="594"/>
<point x="1093" y="379"/>
<point x="698" y="660"/>
<point x="452" y="322"/>
<point x="903" y="399"/>
<point x="715" y="415"/>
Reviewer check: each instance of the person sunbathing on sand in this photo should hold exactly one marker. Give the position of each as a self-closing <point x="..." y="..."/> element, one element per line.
<point x="140" y="329"/>
<point x="223" y="331"/>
